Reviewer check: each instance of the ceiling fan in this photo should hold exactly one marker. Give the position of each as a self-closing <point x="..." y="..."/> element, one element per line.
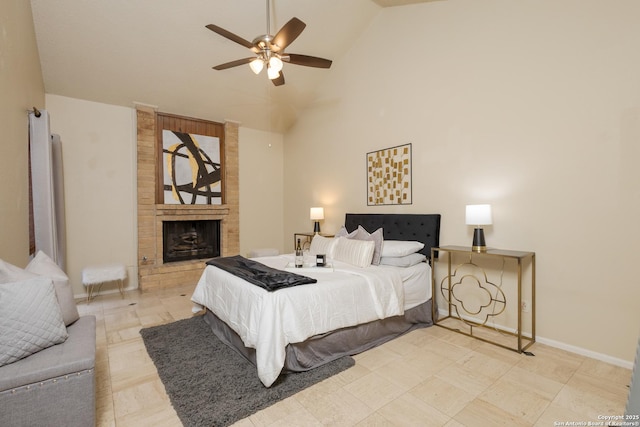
<point x="269" y="50"/>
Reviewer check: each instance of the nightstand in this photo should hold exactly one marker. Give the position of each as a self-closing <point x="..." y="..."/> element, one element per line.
<point x="476" y="306"/>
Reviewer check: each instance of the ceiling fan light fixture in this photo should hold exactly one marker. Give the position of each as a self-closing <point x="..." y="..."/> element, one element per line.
<point x="275" y="63"/>
<point x="272" y="73"/>
<point x="256" y="65"/>
<point x="270" y="50"/>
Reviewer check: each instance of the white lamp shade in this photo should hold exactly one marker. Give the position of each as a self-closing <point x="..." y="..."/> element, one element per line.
<point x="478" y="215"/>
<point x="256" y="65"/>
<point x="272" y="73"/>
<point x="316" y="214"/>
<point x="275" y="63"/>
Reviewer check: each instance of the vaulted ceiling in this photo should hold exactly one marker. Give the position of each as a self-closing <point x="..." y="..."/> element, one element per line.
<point x="158" y="52"/>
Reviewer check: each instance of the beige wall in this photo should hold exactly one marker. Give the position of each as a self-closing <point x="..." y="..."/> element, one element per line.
<point x="98" y="149"/>
<point x="531" y="106"/>
<point x="261" y="190"/>
<point x="21" y="88"/>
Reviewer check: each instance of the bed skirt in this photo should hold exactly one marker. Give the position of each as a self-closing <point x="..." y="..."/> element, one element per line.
<point x="324" y="348"/>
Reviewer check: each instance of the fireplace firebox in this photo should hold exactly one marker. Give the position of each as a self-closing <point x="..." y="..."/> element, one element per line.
<point x="188" y="240"/>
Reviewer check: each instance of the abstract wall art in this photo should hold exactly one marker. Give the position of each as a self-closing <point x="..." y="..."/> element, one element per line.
<point x="389" y="176"/>
<point x="191" y="166"/>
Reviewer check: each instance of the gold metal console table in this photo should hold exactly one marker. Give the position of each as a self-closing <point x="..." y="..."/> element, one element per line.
<point x="468" y="280"/>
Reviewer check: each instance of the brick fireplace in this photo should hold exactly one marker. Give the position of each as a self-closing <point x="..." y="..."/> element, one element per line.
<point x="153" y="271"/>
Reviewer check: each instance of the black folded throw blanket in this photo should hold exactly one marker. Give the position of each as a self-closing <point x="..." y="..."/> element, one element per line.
<point x="259" y="274"/>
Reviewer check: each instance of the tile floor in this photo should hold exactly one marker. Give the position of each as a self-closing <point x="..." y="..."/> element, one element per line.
<point x="429" y="377"/>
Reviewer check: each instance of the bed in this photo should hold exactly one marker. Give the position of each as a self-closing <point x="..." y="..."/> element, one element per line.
<point x="349" y="310"/>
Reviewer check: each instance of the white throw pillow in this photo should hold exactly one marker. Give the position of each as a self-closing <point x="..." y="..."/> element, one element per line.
<point x="42" y="265"/>
<point x="30" y="319"/>
<point x="322" y="245"/>
<point x="354" y="252"/>
<point x="361" y="233"/>
<point x="378" y="240"/>
<point x="396" y="248"/>
<point x="10" y="273"/>
<point x="344" y="233"/>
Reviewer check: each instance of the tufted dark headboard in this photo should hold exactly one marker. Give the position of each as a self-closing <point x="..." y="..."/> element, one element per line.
<point x="424" y="228"/>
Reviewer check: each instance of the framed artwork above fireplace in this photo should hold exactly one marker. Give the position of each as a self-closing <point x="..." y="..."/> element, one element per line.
<point x="190" y="168"/>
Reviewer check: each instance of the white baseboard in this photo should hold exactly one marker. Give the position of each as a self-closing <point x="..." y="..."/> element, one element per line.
<point x="563" y="346"/>
<point x="585" y="352"/>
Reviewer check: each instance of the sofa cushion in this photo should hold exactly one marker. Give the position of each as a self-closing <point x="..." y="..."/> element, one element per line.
<point x="30" y="319"/>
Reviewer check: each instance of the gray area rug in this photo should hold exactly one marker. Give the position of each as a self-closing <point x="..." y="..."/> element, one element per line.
<point x="209" y="384"/>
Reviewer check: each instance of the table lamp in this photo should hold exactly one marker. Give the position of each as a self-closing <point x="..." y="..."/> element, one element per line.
<point x="316" y="215"/>
<point x="478" y="215"/>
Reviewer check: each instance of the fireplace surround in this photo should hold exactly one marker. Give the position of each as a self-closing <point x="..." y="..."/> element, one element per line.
<point x="153" y="272"/>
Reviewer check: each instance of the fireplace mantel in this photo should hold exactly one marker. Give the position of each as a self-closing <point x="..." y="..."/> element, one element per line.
<point x="153" y="273"/>
<point x="202" y="210"/>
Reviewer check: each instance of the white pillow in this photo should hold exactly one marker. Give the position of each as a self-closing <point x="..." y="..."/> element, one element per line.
<point x="10" y="273"/>
<point x="396" y="248"/>
<point x="344" y="233"/>
<point x="354" y="252"/>
<point x="30" y="319"/>
<point x="403" y="261"/>
<point x="322" y="245"/>
<point x="42" y="265"/>
<point x="376" y="236"/>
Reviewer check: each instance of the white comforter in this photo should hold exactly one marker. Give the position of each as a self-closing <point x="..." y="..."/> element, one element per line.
<point x="268" y="321"/>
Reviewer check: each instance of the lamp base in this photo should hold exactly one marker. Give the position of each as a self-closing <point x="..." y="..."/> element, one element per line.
<point x="479" y="244"/>
<point x="316" y="227"/>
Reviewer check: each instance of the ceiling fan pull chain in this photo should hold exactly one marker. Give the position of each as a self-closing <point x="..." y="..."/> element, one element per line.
<point x="268" y="18"/>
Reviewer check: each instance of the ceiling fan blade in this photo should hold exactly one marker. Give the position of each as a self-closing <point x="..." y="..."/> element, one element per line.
<point x="307" y="61"/>
<point x="278" y="81"/>
<point x="287" y="34"/>
<point x="234" y="63"/>
<point x="229" y="35"/>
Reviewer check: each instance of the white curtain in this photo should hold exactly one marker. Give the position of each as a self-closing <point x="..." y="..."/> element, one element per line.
<point x="47" y="188"/>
